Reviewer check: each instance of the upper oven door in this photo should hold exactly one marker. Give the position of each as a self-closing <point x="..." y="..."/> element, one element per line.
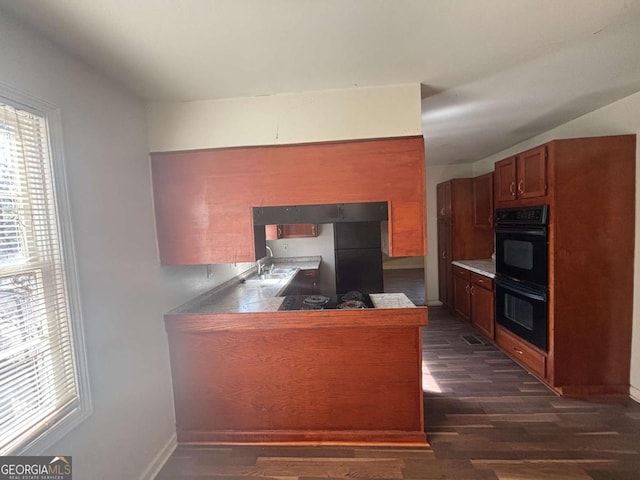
<point x="521" y="253"/>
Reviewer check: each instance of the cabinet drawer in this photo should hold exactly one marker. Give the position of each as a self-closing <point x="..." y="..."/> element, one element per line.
<point x="461" y="272"/>
<point x="311" y="274"/>
<point x="518" y="349"/>
<point x="481" y="280"/>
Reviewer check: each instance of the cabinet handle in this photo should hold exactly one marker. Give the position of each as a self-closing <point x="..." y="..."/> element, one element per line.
<point x="521" y="186"/>
<point x="518" y="351"/>
<point x="467" y="288"/>
<point x="512" y="189"/>
<point x="442" y="212"/>
<point x="444" y="255"/>
<point x="472" y="291"/>
<point x="490" y="219"/>
<point x="279" y="231"/>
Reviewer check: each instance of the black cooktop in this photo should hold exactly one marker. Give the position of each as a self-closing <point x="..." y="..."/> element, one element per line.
<point x="349" y="300"/>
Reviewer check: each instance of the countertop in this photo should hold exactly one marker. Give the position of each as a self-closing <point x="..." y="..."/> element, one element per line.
<point x="484" y="266"/>
<point x="242" y="295"/>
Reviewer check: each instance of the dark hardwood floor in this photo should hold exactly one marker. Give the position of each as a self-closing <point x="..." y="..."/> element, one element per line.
<point x="409" y="281"/>
<point x="486" y="418"/>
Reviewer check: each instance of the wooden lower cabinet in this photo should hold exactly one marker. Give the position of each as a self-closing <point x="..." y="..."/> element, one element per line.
<point x="310" y="281"/>
<point x="530" y="357"/>
<point x="461" y="292"/>
<point x="306" y="282"/>
<point x="473" y="299"/>
<point x="332" y="376"/>
<point x="482" y="308"/>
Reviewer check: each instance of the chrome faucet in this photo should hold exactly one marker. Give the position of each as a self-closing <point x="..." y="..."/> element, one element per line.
<point x="261" y="265"/>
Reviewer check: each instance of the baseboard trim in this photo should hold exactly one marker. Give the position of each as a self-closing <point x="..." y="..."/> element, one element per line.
<point x="433" y="303"/>
<point x="634" y="393"/>
<point x="160" y="459"/>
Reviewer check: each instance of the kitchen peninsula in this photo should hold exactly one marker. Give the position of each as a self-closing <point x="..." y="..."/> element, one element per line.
<point x="246" y="372"/>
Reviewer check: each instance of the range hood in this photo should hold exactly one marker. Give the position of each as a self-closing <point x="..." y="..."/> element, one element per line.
<point x="327" y="213"/>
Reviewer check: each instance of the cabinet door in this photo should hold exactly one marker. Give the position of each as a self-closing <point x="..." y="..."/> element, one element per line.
<point x="461" y="292"/>
<point x="443" y="191"/>
<point x="275" y="232"/>
<point x="505" y="180"/>
<point x="444" y="263"/>
<point x="461" y="296"/>
<point x="483" y="201"/>
<point x="532" y="173"/>
<point x="482" y="309"/>
<point x="309" y="281"/>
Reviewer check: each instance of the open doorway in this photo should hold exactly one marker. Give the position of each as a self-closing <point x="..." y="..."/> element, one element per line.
<point x="404" y="275"/>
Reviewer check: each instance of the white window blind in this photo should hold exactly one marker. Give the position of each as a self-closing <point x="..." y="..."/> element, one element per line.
<point x="38" y="377"/>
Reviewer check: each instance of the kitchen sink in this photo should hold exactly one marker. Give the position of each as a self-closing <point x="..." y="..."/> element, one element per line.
<point x="270" y="278"/>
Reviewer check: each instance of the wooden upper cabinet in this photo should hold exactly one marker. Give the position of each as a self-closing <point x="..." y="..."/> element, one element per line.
<point x="204" y="199"/>
<point x="532" y="173"/>
<point x="306" y="230"/>
<point x="505" y="180"/>
<point x="521" y="177"/>
<point x="444" y="200"/>
<point x="483" y="201"/>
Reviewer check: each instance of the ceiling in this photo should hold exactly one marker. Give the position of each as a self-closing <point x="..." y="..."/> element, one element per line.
<point x="494" y="72"/>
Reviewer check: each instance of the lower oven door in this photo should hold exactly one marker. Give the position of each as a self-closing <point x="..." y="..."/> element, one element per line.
<point x="522" y="309"/>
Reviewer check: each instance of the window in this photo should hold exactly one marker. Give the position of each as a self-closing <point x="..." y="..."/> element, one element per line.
<point x="42" y="374"/>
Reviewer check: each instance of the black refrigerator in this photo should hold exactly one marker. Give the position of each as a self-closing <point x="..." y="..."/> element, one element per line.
<point x="358" y="257"/>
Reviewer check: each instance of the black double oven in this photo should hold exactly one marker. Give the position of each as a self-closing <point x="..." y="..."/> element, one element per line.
<point x="522" y="273"/>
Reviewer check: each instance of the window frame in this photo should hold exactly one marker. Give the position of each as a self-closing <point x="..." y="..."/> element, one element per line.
<point x="53" y="119"/>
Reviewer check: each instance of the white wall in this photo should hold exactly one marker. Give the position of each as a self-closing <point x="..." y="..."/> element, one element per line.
<point x="322" y="245"/>
<point x="354" y="113"/>
<point x="123" y="289"/>
<point x="435" y="175"/>
<point x="622" y="117"/>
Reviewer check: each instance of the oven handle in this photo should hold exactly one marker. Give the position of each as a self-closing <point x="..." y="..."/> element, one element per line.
<point x="538" y="232"/>
<point x="522" y="290"/>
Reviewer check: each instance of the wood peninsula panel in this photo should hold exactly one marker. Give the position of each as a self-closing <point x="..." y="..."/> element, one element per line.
<point x="204" y="198"/>
<point x="592" y="250"/>
<point x="330" y="384"/>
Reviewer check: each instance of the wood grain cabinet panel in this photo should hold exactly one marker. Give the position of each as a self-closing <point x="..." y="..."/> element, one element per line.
<point x="306" y="282"/>
<point x="589" y="185"/>
<point x="462" y="292"/>
<point x="482" y="304"/>
<point x="521" y="178"/>
<point x="505" y="180"/>
<point x="323" y="377"/>
<point x="458" y="239"/>
<point x="277" y="232"/>
<point x="444" y="199"/>
<point x="532" y="173"/>
<point x="204" y="199"/>
<point x="445" y="284"/>
<point x="521" y="351"/>
<point x="483" y="201"/>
